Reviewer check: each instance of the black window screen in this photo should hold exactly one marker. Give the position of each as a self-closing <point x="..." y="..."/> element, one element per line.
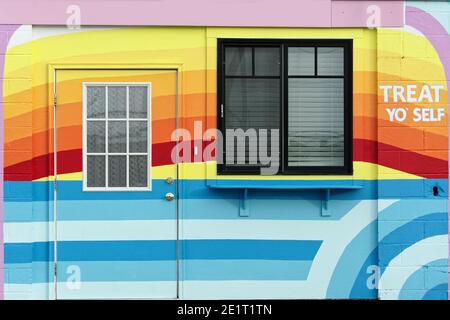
<point x="294" y="94"/>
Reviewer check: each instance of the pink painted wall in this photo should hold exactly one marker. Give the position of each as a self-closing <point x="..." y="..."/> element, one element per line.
<point x="277" y="13"/>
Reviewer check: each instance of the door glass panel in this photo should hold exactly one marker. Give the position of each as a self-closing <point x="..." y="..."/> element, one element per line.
<point x="96" y="171"/>
<point x="117" y="171"/>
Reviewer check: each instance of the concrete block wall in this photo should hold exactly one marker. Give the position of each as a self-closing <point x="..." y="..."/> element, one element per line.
<point x="413" y="207"/>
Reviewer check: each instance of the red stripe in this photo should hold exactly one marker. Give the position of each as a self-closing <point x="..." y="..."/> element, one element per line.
<point x="400" y="159"/>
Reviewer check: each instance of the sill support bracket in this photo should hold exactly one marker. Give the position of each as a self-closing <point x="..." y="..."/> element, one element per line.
<point x="243" y="205"/>
<point x="324" y="212"/>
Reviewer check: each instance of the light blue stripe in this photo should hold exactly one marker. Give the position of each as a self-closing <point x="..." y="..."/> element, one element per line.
<point x="274" y="209"/>
<point x="350" y="263"/>
<point x="245" y="270"/>
<point x="157" y="250"/>
<point x="86" y="210"/>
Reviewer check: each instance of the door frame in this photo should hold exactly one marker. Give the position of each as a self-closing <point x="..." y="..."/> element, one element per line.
<point x="53" y="68"/>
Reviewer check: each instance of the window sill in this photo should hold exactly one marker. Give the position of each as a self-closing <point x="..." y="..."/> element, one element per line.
<point x="283" y="184"/>
<point x="245" y="185"/>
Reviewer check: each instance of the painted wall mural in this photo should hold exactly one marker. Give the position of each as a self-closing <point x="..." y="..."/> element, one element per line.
<point x="387" y="239"/>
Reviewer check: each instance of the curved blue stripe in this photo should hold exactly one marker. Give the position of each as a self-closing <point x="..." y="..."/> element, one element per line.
<point x="431" y="275"/>
<point x="408" y="234"/>
<point x="162" y="250"/>
<point x="439" y="292"/>
<point x="401" y="212"/>
<point x="348" y="269"/>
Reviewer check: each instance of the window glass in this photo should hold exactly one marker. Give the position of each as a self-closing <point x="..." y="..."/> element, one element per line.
<point x="301" y="61"/>
<point x="316" y="122"/>
<point x="267" y="61"/>
<point x="238" y="61"/>
<point x="330" y="61"/>
<point x="252" y="105"/>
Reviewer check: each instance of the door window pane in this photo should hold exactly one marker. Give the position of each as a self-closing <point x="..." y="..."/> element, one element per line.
<point x="96" y="136"/>
<point x="96" y="102"/>
<point x="138" y="171"/>
<point x="117" y="136"/>
<point x="96" y="171"/>
<point x="138" y="102"/>
<point x="117" y="171"/>
<point x="117" y="102"/>
<point x="138" y="136"/>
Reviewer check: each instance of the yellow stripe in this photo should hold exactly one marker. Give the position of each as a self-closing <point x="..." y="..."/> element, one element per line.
<point x="207" y="170"/>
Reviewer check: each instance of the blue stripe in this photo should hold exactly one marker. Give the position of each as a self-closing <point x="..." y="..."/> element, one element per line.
<point x="157" y="250"/>
<point x="197" y="189"/>
<point x="439" y="292"/>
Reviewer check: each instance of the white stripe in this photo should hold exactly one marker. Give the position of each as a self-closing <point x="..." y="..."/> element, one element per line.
<point x="120" y="290"/>
<point x="94" y="290"/>
<point x="25" y="232"/>
<point x="409" y="261"/>
<point x="21" y="36"/>
<point x="245" y="290"/>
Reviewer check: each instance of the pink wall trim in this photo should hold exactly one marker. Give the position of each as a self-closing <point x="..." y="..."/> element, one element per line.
<point x="276" y="13"/>
<point x="354" y="13"/>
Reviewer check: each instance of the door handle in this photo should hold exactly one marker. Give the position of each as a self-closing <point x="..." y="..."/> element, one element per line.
<point x="169" y="196"/>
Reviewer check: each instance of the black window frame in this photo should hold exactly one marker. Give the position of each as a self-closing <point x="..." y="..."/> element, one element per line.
<point x="284" y="44"/>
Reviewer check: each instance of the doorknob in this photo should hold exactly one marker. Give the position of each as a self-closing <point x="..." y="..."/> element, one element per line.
<point x="169" y="196"/>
